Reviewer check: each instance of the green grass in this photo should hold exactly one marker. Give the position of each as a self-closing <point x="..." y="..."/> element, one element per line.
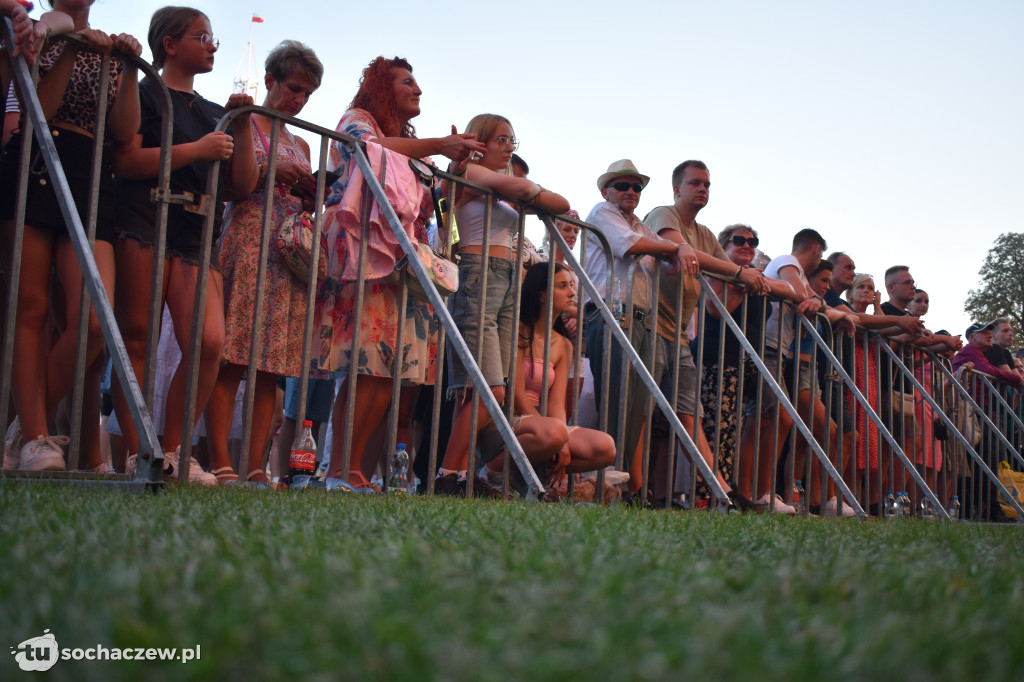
<point x="301" y="586"/>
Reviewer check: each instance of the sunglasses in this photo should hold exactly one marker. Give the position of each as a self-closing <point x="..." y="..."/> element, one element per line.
<point x="623" y="186"/>
<point x="749" y="241"/>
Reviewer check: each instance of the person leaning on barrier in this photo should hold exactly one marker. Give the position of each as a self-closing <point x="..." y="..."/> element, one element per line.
<point x="720" y="405"/>
<point x="29" y="38"/>
<point x="972" y="357"/>
<point x="808" y="246"/>
<point x="627" y="236"/>
<point x="181" y="40"/>
<point x="381" y="112"/>
<point x="491" y="170"/>
<point x="293" y="73"/>
<point x="67" y="90"/>
<point x="1002" y="340"/>
<point x="691" y="185"/>
<point x="844" y="270"/>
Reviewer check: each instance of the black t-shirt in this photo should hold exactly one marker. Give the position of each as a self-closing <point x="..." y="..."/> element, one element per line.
<point x="998" y="355"/>
<point x="194" y="117"/>
<point x="756" y="318"/>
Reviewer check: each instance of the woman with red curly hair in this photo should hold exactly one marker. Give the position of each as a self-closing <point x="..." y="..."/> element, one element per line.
<point x="387" y="100"/>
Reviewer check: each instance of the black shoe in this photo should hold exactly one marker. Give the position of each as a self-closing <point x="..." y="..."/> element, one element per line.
<point x="741" y="502"/>
<point x="635" y="499"/>
<point x="450" y="485"/>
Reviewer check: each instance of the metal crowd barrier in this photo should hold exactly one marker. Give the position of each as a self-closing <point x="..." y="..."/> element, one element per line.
<point x="988" y="421"/>
<point x="82" y="237"/>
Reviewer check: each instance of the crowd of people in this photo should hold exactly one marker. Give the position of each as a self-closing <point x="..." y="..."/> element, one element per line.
<point x="365" y="340"/>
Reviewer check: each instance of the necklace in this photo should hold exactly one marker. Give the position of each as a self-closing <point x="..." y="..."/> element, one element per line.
<point x="189" y="102"/>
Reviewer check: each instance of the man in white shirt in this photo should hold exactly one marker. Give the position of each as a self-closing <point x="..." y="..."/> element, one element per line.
<point x="627" y="237"/>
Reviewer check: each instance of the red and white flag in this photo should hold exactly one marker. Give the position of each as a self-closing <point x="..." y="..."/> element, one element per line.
<point x="257" y="19"/>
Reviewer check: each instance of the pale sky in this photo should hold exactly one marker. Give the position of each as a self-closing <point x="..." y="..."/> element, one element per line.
<point x="893" y="128"/>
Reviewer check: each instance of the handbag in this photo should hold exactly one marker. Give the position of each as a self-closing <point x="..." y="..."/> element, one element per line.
<point x="443" y="273"/>
<point x="293" y="238"/>
<point x="1013" y="481"/>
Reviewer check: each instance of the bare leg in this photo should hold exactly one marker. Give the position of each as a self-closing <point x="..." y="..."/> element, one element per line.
<point x="590" y="450"/>
<point x="373" y="397"/>
<point x="456" y="456"/>
<point x="28" y="374"/>
<point x="219" y="415"/>
<point x="134" y="264"/>
<point x="182" y="280"/>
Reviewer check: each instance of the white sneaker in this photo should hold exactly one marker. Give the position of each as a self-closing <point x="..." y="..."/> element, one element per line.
<point x="45" y="453"/>
<point x="493" y="478"/>
<point x="13" y="443"/>
<point x="780" y="505"/>
<point x="195" y="472"/>
<point x="833" y="505"/>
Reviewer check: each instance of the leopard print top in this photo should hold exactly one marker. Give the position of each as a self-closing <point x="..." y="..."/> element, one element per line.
<point x="78" y="107"/>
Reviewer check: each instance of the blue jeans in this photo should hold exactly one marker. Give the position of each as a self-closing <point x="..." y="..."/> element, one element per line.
<point x="498" y="329"/>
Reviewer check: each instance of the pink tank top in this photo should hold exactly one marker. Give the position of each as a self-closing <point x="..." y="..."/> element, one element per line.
<point x="533" y="375"/>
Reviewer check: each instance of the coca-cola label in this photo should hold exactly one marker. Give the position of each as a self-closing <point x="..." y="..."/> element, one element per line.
<point x="302" y="459"/>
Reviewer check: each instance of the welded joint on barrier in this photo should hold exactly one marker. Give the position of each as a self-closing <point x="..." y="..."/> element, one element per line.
<point x="186" y="199"/>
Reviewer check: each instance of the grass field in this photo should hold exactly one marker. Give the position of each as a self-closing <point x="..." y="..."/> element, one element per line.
<point x="305" y="586"/>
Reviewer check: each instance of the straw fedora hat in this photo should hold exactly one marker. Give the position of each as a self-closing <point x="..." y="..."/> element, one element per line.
<point x="618" y="169"/>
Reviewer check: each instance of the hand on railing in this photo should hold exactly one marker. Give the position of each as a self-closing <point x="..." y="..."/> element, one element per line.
<point x="753" y="281"/>
<point x="126" y="44"/>
<point x="24" y="42"/>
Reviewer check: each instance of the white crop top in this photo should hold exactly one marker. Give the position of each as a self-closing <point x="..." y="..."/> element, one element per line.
<point x="470" y="217"/>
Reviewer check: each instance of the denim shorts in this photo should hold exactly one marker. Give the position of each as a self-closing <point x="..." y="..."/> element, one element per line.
<point x="498" y="328"/>
<point x="768" y="399"/>
<point x="686" y="390"/>
<point x="42" y="210"/>
<point x="319" y="398"/>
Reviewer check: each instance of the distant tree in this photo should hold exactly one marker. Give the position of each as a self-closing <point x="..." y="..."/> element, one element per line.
<point x="1002" y="283"/>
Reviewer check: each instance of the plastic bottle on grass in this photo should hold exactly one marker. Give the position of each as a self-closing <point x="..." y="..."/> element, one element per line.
<point x="890" y="507"/>
<point x="954" y="509"/>
<point x="302" y="460"/>
<point x="904" y="502"/>
<point x="398" y="484"/>
<point x="801" y="498"/>
<point x="927" y="513"/>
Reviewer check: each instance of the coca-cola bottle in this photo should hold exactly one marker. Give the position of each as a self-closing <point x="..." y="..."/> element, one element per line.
<point x="302" y="460"/>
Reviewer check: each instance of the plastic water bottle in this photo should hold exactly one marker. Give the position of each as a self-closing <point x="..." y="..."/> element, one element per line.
<point x="618" y="307"/>
<point x="904" y="502"/>
<point x="954" y="509"/>
<point x="398" y="484"/>
<point x="302" y="460"/>
<point x="801" y="498"/>
<point x="890" y="507"/>
<point x="926" y="509"/>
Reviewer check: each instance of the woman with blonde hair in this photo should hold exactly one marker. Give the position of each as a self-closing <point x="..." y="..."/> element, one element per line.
<point x="492" y="170"/>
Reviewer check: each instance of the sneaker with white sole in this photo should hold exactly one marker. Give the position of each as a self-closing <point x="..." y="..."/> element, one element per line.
<point x="45" y="453"/>
<point x="832" y="506"/>
<point x="765" y="501"/>
<point x="13" y="443"/>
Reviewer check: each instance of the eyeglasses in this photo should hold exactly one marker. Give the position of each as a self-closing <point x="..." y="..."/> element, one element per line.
<point x="623" y="186"/>
<point x="504" y="140"/>
<point x="749" y="241"/>
<point x="207" y="41"/>
<point x="906" y="281"/>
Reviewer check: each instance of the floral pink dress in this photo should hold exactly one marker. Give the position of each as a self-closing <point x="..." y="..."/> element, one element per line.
<point x="284" y="299"/>
<point x="376" y="339"/>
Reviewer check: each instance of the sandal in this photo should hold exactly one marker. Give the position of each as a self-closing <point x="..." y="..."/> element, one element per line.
<point x="225" y="475"/>
<point x="357" y="479"/>
<point x="258" y="484"/>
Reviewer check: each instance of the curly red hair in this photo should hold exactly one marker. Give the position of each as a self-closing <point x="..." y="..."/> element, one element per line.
<point x="377" y="96"/>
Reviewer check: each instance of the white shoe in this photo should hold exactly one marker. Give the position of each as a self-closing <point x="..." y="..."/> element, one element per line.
<point x="45" y="453"/>
<point x="13" y="443"/>
<point x="780" y="506"/>
<point x="833" y="505"/>
<point x="195" y="472"/>
<point x="492" y="478"/>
